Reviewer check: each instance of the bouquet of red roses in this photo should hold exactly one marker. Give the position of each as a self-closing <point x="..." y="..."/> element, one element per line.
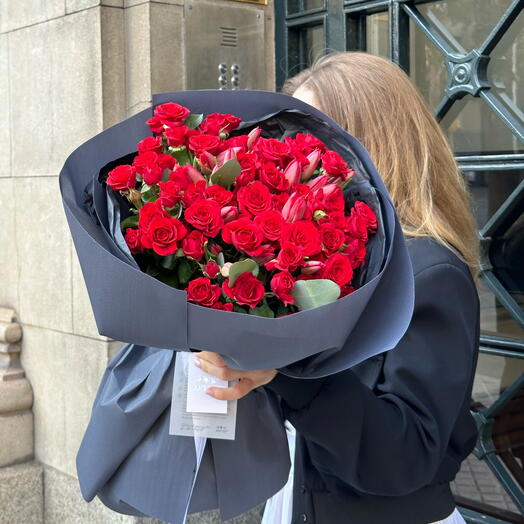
<point x="242" y="223"/>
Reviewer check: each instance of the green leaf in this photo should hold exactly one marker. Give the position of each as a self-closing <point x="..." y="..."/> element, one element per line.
<point x="194" y="120"/>
<point x="130" y="221"/>
<point x="181" y="154"/>
<point x="227" y="174"/>
<point x="184" y="271"/>
<point x="263" y="310"/>
<point x="314" y="293"/>
<point x="168" y="262"/>
<point x="150" y="195"/>
<point x="165" y="175"/>
<point x="244" y="266"/>
<point x="168" y="278"/>
<point x="145" y="187"/>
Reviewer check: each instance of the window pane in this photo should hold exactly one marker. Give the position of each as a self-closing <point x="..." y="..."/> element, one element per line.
<point x="377" y="34"/>
<point x="293" y="6"/>
<point x="427" y="67"/>
<point x="506" y="68"/>
<point x="465" y="23"/>
<point x="314" y="43"/>
<point x="313" y="4"/>
<point x="473" y="128"/>
<point x="489" y="190"/>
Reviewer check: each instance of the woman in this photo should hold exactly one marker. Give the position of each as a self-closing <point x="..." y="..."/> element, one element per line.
<point x="380" y="443"/>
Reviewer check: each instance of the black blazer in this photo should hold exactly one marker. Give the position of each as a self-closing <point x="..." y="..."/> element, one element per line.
<point x="379" y="443"/>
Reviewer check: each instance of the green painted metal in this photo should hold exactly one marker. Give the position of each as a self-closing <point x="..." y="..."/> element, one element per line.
<point x="345" y="28"/>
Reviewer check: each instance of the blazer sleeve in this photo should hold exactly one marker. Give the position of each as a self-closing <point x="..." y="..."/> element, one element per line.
<point x="391" y="441"/>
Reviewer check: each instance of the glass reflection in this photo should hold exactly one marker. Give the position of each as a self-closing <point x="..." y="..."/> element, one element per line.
<point x="466" y="23"/>
<point x="473" y="128"/>
<point x="377" y="34"/>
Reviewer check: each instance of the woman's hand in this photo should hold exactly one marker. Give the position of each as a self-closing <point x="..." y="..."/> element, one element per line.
<point x="213" y="364"/>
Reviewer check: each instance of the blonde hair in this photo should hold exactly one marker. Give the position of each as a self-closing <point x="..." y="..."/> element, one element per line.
<point x="375" y="101"/>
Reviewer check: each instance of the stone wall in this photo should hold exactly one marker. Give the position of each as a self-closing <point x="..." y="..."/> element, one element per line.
<point x="68" y="69"/>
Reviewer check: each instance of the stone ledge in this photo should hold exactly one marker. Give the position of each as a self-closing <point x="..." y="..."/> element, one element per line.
<point x="22" y="494"/>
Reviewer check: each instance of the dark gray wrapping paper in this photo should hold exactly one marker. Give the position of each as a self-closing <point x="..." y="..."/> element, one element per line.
<point x="127" y="457"/>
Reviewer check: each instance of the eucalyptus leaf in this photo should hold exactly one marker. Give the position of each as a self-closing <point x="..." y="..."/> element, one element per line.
<point x="145" y="187"/>
<point x="194" y="120"/>
<point x="309" y="294"/>
<point x="244" y="266"/>
<point x="184" y="271"/>
<point x="150" y="195"/>
<point x="130" y="221"/>
<point x="227" y="173"/>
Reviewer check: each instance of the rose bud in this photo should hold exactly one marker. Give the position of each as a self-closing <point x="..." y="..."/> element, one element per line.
<point x="329" y="189"/>
<point x="313" y="159"/>
<point x="211" y="269"/>
<point x="252" y="137"/>
<point x="215" y="249"/>
<point x="295" y="208"/>
<point x="311" y="267"/>
<point x="227" y="155"/>
<point x="292" y="173"/>
<point x="194" y="174"/>
<point x="229" y="213"/>
<point x="318" y="182"/>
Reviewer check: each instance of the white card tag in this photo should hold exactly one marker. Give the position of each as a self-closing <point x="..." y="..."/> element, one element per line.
<point x="198" y="401"/>
<point x="196" y="424"/>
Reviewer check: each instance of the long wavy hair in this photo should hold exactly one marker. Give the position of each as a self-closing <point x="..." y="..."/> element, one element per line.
<point x="375" y="101"/>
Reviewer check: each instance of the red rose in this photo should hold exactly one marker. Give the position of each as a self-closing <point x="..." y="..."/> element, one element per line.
<point x="244" y="234"/>
<point x="149" y="211"/>
<point x="271" y="224"/>
<point x="331" y="238"/>
<point x="219" y="194"/>
<point x="170" y="193"/>
<point x="166" y="161"/>
<point x="205" y="215"/>
<point x="302" y="234"/>
<point x="332" y="198"/>
<point x="203" y="292"/>
<point x="289" y="258"/>
<point x="200" y="143"/>
<point x="163" y="235"/>
<point x="171" y="114"/>
<point x="228" y="306"/>
<point x="193" y="245"/>
<point x="180" y="176"/>
<point x="338" y="268"/>
<point x="179" y="136"/>
<point x="273" y="150"/>
<point x="334" y="165"/>
<point x="279" y="201"/>
<point x="211" y="269"/>
<point x="274" y="178"/>
<point x="363" y="210"/>
<point x="249" y="164"/>
<point x="216" y="123"/>
<point x="133" y="240"/>
<point x="356" y="251"/>
<point x="150" y="143"/>
<point x="282" y="284"/>
<point x="122" y="177"/>
<point x="155" y="124"/>
<point x="248" y="290"/>
<point x="237" y="141"/>
<point x="306" y="143"/>
<point x="254" y="198"/>
<point x="147" y="166"/>
<point x="194" y="192"/>
<point x="229" y="213"/>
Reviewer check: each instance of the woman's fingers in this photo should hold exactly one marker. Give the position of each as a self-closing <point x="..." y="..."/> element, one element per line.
<point x="213" y="358"/>
<point x="217" y="370"/>
<point x="235" y="392"/>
